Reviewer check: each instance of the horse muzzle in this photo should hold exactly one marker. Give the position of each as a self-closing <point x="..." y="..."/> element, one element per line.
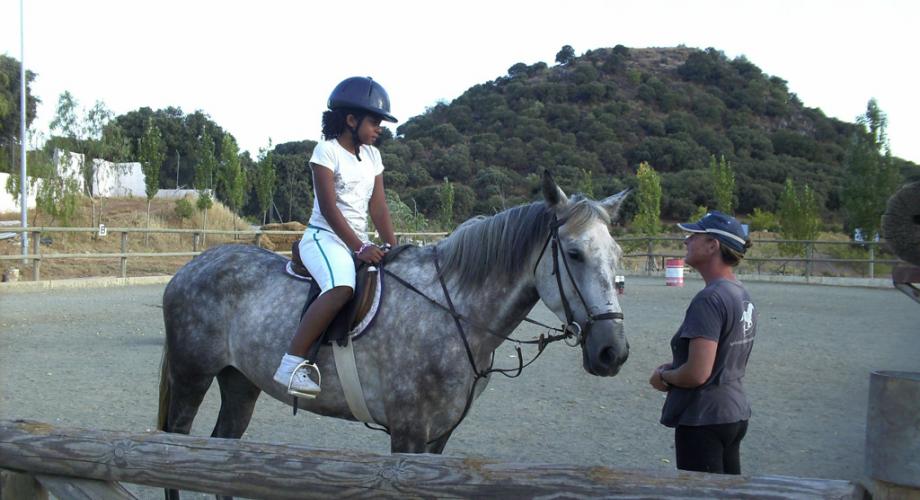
<point x="605" y="347"/>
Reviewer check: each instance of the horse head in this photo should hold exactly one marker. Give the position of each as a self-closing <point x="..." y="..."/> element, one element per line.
<point x="575" y="275"/>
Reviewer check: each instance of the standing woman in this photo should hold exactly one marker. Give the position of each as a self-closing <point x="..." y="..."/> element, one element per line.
<point x="706" y="402"/>
<point x="347" y="184"/>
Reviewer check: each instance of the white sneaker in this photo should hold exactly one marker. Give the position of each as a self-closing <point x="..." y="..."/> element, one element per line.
<point x="297" y="380"/>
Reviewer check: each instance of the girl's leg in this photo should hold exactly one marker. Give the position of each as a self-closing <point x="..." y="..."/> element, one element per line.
<point x="331" y="264"/>
<point x="317" y="318"/>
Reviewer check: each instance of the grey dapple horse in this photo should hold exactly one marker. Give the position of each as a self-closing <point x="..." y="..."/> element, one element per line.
<point x="231" y="311"/>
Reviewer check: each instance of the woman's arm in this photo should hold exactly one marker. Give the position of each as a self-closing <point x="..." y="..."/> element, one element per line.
<point x="380" y="213"/>
<point x="696" y="371"/>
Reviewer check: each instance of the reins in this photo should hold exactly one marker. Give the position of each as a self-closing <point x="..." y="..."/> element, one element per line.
<point x="572" y="329"/>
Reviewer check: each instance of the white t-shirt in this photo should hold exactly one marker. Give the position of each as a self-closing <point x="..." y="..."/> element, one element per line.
<point x="354" y="183"/>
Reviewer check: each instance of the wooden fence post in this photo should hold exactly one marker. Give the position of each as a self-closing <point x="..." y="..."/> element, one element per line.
<point x="809" y="254"/>
<point x="195" y="239"/>
<point x="124" y="258"/>
<point x="15" y="485"/>
<point x="37" y="251"/>
<point x="650" y="260"/>
<point x="871" y="260"/>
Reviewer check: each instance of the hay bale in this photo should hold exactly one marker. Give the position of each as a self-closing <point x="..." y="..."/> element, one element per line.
<point x="263" y="241"/>
<point x="285" y="226"/>
<point x="901" y="223"/>
<point x="281" y="242"/>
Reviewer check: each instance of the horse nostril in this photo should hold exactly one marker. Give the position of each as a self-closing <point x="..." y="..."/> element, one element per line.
<point x="608" y="356"/>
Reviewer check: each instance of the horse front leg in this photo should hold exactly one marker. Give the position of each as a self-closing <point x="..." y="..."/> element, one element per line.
<point x="408" y="439"/>
<point x="437" y="445"/>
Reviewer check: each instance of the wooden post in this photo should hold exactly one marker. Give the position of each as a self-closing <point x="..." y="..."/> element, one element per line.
<point x="809" y="254"/>
<point x="37" y="252"/>
<point x="871" y="260"/>
<point x="893" y="435"/>
<point x="124" y="250"/>
<point x="15" y="485"/>
<point x="650" y="260"/>
<point x="195" y="239"/>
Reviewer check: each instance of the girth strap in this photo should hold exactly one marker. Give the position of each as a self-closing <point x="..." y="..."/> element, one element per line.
<point x="347" y="369"/>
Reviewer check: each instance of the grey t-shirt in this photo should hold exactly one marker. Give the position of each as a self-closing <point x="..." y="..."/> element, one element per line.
<point x="724" y="312"/>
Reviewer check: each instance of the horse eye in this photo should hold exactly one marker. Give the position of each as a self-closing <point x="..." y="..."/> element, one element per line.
<point x="575" y="255"/>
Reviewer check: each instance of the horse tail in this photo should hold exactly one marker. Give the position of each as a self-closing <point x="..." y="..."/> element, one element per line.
<point x="163" y="411"/>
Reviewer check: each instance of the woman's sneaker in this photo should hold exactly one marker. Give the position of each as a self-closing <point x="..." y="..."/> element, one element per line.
<point x="296" y="377"/>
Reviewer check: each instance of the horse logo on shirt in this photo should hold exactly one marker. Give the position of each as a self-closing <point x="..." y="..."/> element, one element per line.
<point x="747" y="317"/>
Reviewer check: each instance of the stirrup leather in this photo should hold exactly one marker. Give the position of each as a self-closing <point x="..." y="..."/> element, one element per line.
<point x="319" y="380"/>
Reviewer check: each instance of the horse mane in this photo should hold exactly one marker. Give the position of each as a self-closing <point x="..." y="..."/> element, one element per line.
<point x="497" y="247"/>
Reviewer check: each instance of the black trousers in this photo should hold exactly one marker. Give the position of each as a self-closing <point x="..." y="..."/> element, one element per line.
<point x="710" y="448"/>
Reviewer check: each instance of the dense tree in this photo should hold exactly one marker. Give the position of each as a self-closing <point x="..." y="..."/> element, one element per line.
<point x="181" y="134"/>
<point x="10" y="110"/>
<point x="446" y="217"/>
<point x="151" y="153"/>
<point x="648" y="199"/>
<point x="723" y="183"/>
<point x="294" y="193"/>
<point x="265" y="181"/>
<point x="798" y="218"/>
<point x="871" y="175"/>
<point x="565" y="55"/>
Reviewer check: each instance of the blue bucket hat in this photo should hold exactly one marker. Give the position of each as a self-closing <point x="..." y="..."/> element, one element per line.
<point x="724" y="228"/>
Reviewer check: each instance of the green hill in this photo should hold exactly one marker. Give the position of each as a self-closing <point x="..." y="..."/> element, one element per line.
<point x="593" y="119"/>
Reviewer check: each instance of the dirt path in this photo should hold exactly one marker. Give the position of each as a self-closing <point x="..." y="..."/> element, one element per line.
<point x="90" y="358"/>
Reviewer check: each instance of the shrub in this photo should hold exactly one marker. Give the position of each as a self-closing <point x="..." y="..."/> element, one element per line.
<point x="764" y="220"/>
<point x="183" y="208"/>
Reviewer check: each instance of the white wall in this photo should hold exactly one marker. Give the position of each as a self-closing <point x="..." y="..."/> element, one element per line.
<point x="109" y="180"/>
<point x="175" y="194"/>
<point x="118" y="179"/>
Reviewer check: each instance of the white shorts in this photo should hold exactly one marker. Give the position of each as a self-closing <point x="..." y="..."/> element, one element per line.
<point x="327" y="258"/>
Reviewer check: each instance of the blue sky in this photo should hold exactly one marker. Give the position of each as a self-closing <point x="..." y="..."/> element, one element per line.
<point x="264" y="69"/>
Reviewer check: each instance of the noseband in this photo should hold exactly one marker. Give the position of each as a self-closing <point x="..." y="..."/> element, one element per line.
<point x="579" y="333"/>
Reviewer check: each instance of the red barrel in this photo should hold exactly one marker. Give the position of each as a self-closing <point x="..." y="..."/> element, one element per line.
<point x="674" y="272"/>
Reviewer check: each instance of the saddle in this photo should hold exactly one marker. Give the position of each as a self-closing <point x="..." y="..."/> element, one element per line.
<point x="353" y="317"/>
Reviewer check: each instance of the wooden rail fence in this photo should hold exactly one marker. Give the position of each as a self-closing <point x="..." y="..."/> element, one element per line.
<point x="653" y="259"/>
<point x="92" y="463"/>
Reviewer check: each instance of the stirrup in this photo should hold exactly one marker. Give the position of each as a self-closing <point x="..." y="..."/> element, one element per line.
<point x="319" y="381"/>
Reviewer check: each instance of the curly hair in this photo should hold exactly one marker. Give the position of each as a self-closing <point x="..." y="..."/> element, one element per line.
<point x="334" y="123"/>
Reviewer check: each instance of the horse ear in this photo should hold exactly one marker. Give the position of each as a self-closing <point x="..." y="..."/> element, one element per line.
<point x="552" y="193"/>
<point x="612" y="203"/>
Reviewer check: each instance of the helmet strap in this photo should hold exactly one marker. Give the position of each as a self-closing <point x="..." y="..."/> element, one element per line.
<point x="356" y="141"/>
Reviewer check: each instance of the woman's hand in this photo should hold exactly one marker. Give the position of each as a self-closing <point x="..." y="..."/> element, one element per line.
<point x="370" y="253"/>
<point x="656" y="381"/>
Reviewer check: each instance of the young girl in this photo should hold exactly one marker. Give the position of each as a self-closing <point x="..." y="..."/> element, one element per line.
<point x="347" y="184"/>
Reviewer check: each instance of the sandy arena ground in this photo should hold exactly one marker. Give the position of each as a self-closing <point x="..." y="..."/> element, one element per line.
<point x="90" y="358"/>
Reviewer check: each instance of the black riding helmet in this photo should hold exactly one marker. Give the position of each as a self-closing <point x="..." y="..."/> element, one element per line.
<point x="362" y="93"/>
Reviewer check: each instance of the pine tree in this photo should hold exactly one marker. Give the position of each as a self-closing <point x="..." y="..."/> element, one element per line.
<point x="723" y="180"/>
<point x="648" y="198"/>
<point x="798" y="218"/>
<point x="152" y="153"/>
<point x="871" y="175"/>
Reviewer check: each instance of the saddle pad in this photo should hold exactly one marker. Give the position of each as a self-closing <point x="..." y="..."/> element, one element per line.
<point x="289" y="268"/>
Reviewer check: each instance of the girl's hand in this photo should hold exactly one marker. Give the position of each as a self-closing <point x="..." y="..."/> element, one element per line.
<point x="370" y="253"/>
